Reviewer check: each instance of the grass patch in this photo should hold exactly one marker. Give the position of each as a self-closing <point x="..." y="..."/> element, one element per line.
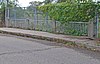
<point x="73" y="44"/>
<point x="70" y="44"/>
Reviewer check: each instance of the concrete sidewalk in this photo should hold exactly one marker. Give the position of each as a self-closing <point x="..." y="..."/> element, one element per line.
<point x="79" y="41"/>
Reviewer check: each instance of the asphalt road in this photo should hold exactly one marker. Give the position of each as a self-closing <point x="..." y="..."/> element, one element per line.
<point x="19" y="50"/>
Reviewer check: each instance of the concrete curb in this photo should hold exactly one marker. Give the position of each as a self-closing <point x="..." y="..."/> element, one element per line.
<point x="66" y="42"/>
<point x="36" y="37"/>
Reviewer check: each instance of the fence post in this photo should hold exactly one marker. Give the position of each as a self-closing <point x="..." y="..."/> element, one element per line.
<point x="95" y="23"/>
<point x="28" y="22"/>
<point x="15" y="17"/>
<point x="46" y="20"/>
<point x="7" y="22"/>
<point x="55" y="26"/>
<point x="91" y="29"/>
<point x="35" y="17"/>
<point x="7" y="17"/>
<point x="54" y="29"/>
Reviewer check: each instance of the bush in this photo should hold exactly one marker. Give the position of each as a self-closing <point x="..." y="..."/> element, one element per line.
<point x="65" y="12"/>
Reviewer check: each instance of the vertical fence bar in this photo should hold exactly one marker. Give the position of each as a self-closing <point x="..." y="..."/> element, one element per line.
<point x="96" y="23"/>
<point x="15" y="16"/>
<point x="46" y="20"/>
<point x="7" y="14"/>
<point x="35" y="17"/>
<point x="7" y="17"/>
<point x="55" y="26"/>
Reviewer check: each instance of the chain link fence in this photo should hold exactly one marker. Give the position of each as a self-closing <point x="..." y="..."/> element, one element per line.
<point x="33" y="19"/>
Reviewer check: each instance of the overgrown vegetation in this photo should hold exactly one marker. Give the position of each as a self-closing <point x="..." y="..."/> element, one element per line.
<point x="65" y="12"/>
<point x="72" y="11"/>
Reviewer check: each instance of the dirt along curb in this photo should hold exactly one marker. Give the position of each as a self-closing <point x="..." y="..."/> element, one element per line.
<point x="67" y="43"/>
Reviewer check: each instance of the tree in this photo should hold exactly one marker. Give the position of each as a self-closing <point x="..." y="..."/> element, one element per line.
<point x="66" y="12"/>
<point x="47" y="1"/>
<point x="4" y="5"/>
<point x="85" y="1"/>
<point x="35" y="3"/>
<point x="73" y="1"/>
<point x="59" y="1"/>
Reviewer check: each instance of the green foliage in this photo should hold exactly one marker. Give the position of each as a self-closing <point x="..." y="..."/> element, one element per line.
<point x="74" y="32"/>
<point x="4" y="5"/>
<point x="47" y="1"/>
<point x="72" y="12"/>
<point x="66" y="12"/>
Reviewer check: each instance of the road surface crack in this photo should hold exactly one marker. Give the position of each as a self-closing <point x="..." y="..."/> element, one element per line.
<point x="27" y="51"/>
